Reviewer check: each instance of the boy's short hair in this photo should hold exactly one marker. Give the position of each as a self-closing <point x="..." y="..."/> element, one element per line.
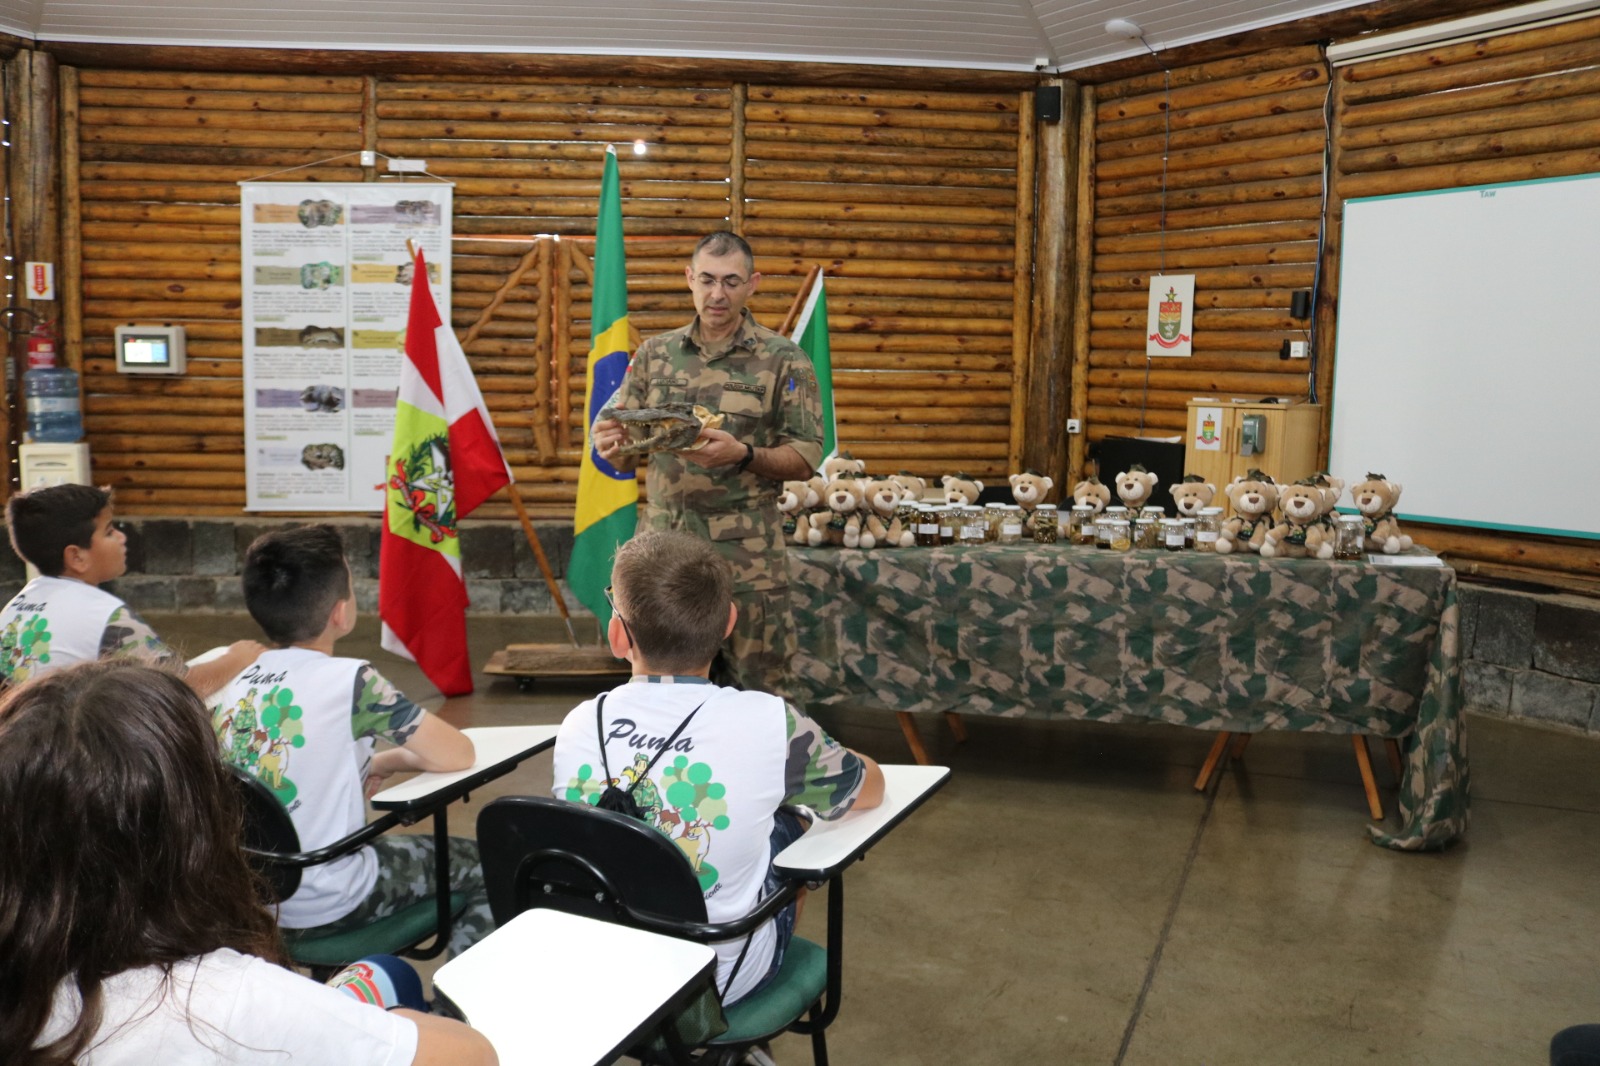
<point x="44" y="522"/>
<point x="293" y="578"/>
<point x="673" y="590"/>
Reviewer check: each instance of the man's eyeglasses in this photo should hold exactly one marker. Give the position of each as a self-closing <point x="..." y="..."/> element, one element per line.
<point x="624" y="621"/>
<point x="729" y="283"/>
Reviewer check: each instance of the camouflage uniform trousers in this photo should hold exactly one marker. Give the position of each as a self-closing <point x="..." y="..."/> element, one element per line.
<point x="757" y="653"/>
<point x="405" y="875"/>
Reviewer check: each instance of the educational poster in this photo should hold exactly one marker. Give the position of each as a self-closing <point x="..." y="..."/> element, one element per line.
<point x="1169" y="324"/>
<point x="327" y="290"/>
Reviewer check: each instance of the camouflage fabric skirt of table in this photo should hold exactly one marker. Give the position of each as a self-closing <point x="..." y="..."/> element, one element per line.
<point x="1215" y="642"/>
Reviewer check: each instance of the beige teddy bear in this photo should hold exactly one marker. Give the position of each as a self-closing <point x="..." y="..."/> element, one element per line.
<point x="1302" y="531"/>
<point x="959" y="489"/>
<point x="883" y="525"/>
<point x="1091" y="493"/>
<point x="1376" y="498"/>
<point x="1192" y="495"/>
<point x="846" y="499"/>
<point x="1134" y="487"/>
<point x="1028" y="490"/>
<point x="843" y="463"/>
<point x="798" y="501"/>
<point x="1253" y="495"/>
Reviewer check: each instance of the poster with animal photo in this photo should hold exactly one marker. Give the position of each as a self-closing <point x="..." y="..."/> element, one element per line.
<point x="327" y="291"/>
<point x="1169" y="325"/>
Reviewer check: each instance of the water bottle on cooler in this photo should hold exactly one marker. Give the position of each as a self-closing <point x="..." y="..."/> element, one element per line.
<point x="55" y="414"/>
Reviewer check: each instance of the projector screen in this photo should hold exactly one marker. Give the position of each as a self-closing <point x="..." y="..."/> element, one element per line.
<point x="1468" y="353"/>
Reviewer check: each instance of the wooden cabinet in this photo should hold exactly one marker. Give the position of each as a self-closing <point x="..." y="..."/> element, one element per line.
<point x="1286" y="447"/>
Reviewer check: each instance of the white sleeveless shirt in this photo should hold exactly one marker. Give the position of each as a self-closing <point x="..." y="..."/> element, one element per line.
<point x="52" y="623"/>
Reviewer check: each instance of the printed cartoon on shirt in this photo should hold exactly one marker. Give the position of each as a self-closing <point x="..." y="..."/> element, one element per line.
<point x="24" y="644"/>
<point x="257" y="734"/>
<point x="687" y="809"/>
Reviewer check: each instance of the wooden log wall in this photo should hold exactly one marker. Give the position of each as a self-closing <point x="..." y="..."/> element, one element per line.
<point x="1243" y="176"/>
<point x="1516" y="107"/>
<point x="156" y="161"/>
<point x="912" y="201"/>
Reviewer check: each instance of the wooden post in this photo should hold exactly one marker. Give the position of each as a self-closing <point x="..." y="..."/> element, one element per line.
<point x="513" y="279"/>
<point x="561" y="342"/>
<point x="1326" y="310"/>
<point x="369" y="124"/>
<point x="544" y="563"/>
<point x="544" y="415"/>
<point x="1083" y="259"/>
<point x="1050" y="377"/>
<point x="741" y="95"/>
<point x="69" y="278"/>
<point x="813" y="277"/>
<point x="1022" y="293"/>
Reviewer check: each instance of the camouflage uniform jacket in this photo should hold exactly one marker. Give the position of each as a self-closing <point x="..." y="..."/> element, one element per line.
<point x="765" y="388"/>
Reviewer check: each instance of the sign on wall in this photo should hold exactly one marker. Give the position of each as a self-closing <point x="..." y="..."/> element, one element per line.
<point x="327" y="288"/>
<point x="1169" y="324"/>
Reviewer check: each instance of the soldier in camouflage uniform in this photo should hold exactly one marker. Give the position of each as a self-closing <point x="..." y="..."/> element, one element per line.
<point x="727" y="491"/>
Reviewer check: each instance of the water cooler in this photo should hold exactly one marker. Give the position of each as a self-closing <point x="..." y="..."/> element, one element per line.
<point x="52" y="464"/>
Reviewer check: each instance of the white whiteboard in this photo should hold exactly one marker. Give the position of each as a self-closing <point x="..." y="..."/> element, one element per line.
<point x="1468" y="353"/>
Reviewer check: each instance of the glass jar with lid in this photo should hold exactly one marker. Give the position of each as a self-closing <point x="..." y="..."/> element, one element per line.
<point x="1147" y="530"/>
<point x="926" y="533"/>
<point x="974" y="525"/>
<point x="1081" y="525"/>
<point x="1172" y="538"/>
<point x="1010" y="528"/>
<point x="1116" y="534"/>
<point x="994" y="513"/>
<point x="1206" y="527"/>
<point x="1351" y="537"/>
<point x="949" y="517"/>
<point x="1188" y="532"/>
<point x="1046" y="524"/>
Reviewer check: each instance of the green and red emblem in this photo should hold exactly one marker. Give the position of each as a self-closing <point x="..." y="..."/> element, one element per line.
<point x="421" y="483"/>
<point x="1169" y="321"/>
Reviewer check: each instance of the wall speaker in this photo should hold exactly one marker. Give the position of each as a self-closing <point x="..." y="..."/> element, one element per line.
<point x="1047" y="103"/>
<point x="1300" y="304"/>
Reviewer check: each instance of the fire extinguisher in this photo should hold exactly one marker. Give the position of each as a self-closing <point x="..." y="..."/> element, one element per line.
<point x="41" y="346"/>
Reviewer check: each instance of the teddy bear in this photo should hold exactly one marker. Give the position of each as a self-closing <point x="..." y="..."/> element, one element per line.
<point x="960" y="490"/>
<point x="1029" y="489"/>
<point x="1134" y="487"/>
<point x="1192" y="495"/>
<point x="1332" y="488"/>
<point x="846" y="499"/>
<point x="883" y="524"/>
<point x="1254" y="496"/>
<point x="843" y="463"/>
<point x="1302" y="531"/>
<point x="1091" y="493"/>
<point x="1376" y="498"/>
<point x="798" y="501"/>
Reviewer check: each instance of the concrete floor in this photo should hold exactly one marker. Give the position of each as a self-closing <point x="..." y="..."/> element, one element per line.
<point x="1069" y="898"/>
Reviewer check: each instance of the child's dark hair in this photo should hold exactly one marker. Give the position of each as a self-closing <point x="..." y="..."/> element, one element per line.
<point x="121" y="839"/>
<point x="45" y="522"/>
<point x="673" y="590"/>
<point x="292" y="580"/>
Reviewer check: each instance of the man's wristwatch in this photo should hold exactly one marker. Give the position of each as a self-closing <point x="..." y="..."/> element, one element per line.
<point x="749" y="456"/>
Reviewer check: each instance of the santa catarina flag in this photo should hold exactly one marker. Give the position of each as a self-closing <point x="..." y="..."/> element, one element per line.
<point x="608" y="498"/>
<point x="811" y="334"/>
<point x="445" y="461"/>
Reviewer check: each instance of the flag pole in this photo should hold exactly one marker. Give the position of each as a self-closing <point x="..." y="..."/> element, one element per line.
<point x="800" y="299"/>
<point x="544" y="563"/>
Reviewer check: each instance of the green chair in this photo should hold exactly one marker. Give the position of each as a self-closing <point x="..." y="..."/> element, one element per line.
<point x="273" y="848"/>
<point x="543" y="852"/>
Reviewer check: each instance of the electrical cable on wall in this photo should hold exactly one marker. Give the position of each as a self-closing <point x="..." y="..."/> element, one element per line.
<point x="1322" y="234"/>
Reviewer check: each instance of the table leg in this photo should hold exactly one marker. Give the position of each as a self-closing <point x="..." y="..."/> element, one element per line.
<point x="1364" y="761"/>
<point x="1392" y="746"/>
<point x="1213" y="757"/>
<point x="958" y="728"/>
<point x="1241" y="741"/>
<point x="908" y="726"/>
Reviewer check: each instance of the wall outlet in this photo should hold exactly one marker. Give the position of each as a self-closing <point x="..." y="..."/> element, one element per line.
<point x="1297" y="349"/>
<point x="1074" y="426"/>
<point x="369" y="158"/>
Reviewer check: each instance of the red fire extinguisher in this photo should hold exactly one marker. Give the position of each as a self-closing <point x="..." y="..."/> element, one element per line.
<point x="41" y="346"/>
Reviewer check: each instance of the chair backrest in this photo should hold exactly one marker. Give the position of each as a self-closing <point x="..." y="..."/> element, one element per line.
<point x="267" y="828"/>
<point x="538" y="851"/>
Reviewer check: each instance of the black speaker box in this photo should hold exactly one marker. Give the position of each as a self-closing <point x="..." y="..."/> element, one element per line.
<point x="1047" y="103"/>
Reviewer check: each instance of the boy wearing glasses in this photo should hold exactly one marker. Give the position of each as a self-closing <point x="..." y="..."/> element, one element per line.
<point x="729" y="762"/>
<point x="62" y="617"/>
<point x="726" y="492"/>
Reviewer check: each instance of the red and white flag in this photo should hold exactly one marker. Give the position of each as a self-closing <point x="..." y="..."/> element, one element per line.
<point x="445" y="461"/>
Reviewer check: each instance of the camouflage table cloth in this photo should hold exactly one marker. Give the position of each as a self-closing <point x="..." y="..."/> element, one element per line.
<point x="1215" y="642"/>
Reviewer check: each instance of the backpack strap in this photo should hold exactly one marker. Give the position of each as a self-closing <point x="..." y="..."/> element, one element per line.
<point x="600" y="735"/>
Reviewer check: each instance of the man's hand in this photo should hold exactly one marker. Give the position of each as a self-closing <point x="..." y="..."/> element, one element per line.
<point x="721" y="449"/>
<point x="608" y="436"/>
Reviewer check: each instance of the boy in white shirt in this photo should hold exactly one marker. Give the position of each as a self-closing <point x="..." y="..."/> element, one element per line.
<point x="62" y="616"/>
<point x="303" y="721"/>
<point x="732" y="760"/>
